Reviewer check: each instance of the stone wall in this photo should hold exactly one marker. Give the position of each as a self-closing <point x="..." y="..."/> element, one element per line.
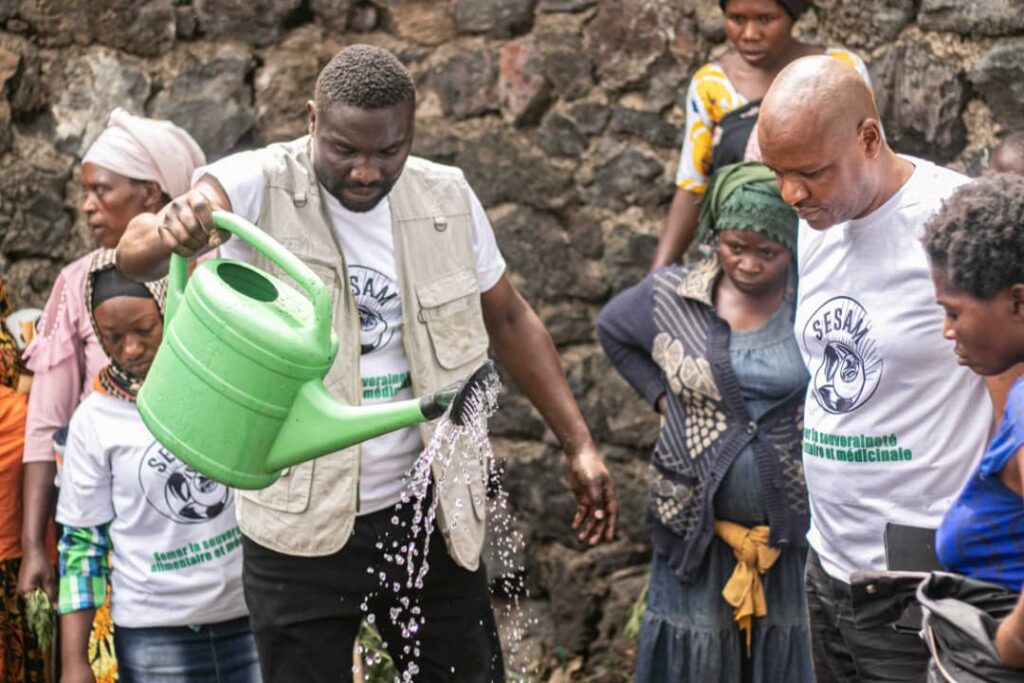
<point x="565" y="115"/>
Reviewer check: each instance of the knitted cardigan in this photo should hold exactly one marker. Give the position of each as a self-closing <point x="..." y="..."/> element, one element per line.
<point x="706" y="423"/>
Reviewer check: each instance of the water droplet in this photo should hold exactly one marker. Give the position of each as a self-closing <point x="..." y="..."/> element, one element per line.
<point x="440" y="465"/>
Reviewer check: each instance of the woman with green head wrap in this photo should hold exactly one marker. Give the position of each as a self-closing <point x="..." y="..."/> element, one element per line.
<point x="746" y="197"/>
<point x="710" y="346"/>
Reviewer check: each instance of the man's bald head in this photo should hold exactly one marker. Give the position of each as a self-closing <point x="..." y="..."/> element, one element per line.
<point x="817" y="95"/>
<point x="819" y="131"/>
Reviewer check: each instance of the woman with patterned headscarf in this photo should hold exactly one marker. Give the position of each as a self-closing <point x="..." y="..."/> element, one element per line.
<point x="710" y="346"/>
<point x="164" y="535"/>
<point x="723" y="102"/>
<point x="135" y="166"/>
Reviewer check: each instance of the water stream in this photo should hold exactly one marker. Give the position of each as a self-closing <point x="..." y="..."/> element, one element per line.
<point x="455" y="455"/>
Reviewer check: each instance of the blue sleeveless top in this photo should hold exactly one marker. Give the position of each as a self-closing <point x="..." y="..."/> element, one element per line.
<point x="982" y="534"/>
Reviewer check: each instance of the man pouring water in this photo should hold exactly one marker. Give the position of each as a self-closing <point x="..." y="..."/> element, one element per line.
<point x="410" y="259"/>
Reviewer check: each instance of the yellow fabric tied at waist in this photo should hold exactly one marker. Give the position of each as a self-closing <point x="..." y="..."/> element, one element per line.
<point x="744" y="590"/>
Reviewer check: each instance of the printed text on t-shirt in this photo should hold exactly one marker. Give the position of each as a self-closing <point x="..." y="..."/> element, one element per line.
<point x="193" y="553"/>
<point x="385" y="386"/>
<point x="859" y="448"/>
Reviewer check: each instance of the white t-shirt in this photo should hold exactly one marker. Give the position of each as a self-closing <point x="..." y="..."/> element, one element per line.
<point x="367" y="242"/>
<point x="893" y="426"/>
<point x="177" y="557"/>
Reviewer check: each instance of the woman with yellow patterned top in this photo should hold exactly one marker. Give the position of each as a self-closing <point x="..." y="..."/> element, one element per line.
<point x="722" y="105"/>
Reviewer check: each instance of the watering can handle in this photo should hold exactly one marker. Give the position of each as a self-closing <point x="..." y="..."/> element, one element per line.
<point x="272" y="249"/>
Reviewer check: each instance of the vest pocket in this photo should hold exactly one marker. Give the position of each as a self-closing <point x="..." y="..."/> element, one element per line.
<point x="290" y="493"/>
<point x="476" y="483"/>
<point x="463" y="497"/>
<point x="450" y="309"/>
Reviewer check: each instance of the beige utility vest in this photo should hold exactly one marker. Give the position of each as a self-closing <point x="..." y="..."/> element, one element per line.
<point x="311" y="509"/>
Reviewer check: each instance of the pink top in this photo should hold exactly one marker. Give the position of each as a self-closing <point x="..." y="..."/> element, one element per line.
<point x="65" y="356"/>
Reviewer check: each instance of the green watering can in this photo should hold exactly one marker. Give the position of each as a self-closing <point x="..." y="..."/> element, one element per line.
<point x="236" y="389"/>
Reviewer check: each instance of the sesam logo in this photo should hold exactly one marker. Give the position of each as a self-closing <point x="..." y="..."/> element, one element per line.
<point x="177" y="491"/>
<point x="380" y="306"/>
<point x="839" y="332"/>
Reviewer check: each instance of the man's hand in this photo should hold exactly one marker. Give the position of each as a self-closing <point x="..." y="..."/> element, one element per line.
<point x="597" y="509"/>
<point x="37" y="572"/>
<point x="183" y="227"/>
<point x="525" y="350"/>
<point x="186" y="225"/>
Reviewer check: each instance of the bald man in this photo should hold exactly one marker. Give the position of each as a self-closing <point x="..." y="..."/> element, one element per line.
<point x="892" y="424"/>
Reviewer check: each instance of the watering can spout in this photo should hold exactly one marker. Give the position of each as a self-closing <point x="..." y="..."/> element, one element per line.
<point x="319" y="424"/>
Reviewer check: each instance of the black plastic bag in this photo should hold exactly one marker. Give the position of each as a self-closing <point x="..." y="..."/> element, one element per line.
<point x="961" y="616"/>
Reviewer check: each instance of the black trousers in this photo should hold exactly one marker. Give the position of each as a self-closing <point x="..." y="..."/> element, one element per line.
<point x="306" y="611"/>
<point x="844" y="653"/>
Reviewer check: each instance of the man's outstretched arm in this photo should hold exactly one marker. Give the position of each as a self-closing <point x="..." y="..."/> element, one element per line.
<point x="524" y="348"/>
<point x="184" y="227"/>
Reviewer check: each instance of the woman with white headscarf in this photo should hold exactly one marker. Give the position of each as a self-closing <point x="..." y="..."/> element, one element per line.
<point x="135" y="166"/>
